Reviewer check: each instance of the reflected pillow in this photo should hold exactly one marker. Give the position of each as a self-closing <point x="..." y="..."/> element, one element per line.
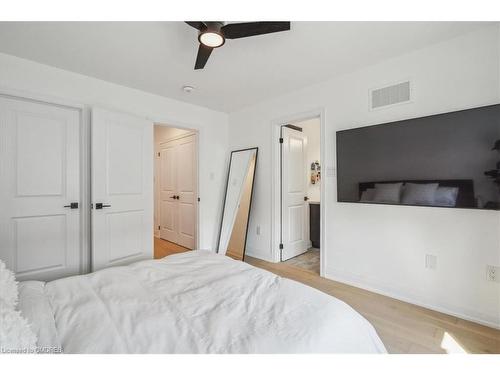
<point x="446" y="196"/>
<point x="419" y="194"/>
<point x="367" y="195"/>
<point x="388" y="193"/>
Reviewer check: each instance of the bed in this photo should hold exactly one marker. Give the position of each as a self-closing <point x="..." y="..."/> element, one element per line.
<point x="193" y="302"/>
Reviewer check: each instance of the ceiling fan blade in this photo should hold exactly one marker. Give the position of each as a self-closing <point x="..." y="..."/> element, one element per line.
<point x="243" y="30"/>
<point x="202" y="57"/>
<point x="198" y="25"/>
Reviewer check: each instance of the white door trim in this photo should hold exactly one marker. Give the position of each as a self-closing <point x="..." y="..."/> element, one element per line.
<point x="41" y="98"/>
<point x="275" y="190"/>
<point x="177" y="137"/>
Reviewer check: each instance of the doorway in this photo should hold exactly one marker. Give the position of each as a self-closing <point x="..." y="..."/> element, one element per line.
<point x="300" y="194"/>
<point x="175" y="190"/>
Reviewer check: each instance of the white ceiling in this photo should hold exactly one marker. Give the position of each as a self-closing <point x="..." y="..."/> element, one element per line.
<point x="158" y="57"/>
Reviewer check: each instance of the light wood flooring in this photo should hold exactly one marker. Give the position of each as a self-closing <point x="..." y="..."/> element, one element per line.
<point x="403" y="327"/>
<point x="164" y="248"/>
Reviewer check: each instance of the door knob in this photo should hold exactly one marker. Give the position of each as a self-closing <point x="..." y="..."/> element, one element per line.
<point x="306" y="198"/>
<point x="177" y="197"/>
<point x="173" y="197"/>
<point x="100" y="206"/>
<point x="72" y="205"/>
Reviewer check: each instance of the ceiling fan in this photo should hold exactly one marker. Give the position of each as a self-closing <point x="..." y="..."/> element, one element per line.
<point x="214" y="34"/>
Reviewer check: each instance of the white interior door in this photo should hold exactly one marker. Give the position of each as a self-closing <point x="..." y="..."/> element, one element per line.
<point x="39" y="174"/>
<point x="187" y="195"/>
<point x="168" y="191"/>
<point x="122" y="189"/>
<point x="295" y="231"/>
<point x="178" y="191"/>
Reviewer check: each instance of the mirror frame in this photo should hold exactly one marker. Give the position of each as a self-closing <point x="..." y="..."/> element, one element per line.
<point x="251" y="197"/>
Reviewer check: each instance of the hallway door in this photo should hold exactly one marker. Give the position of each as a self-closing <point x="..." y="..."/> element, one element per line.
<point x="179" y="191"/>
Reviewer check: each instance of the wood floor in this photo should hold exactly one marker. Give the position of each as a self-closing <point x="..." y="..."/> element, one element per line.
<point x="403" y="327"/>
<point x="164" y="248"/>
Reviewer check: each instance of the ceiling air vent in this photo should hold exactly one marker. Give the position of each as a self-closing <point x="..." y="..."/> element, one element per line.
<point x="390" y="95"/>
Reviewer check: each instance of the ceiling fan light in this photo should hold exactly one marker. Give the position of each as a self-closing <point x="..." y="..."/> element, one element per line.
<point x="211" y="39"/>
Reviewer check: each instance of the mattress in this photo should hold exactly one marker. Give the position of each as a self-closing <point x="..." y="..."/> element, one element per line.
<point x="193" y="302"/>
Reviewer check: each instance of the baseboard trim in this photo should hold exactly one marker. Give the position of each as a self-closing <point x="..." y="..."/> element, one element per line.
<point x="254" y="253"/>
<point x="358" y="282"/>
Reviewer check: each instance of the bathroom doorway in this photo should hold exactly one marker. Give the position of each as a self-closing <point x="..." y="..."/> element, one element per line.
<point x="300" y="195"/>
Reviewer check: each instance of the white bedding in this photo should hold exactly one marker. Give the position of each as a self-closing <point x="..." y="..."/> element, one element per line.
<point x="194" y="302"/>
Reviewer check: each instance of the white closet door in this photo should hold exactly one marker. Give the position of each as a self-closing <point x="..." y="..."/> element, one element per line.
<point x="186" y="191"/>
<point x="168" y="191"/>
<point x="39" y="174"/>
<point x="122" y="189"/>
<point x="178" y="191"/>
<point x="295" y="230"/>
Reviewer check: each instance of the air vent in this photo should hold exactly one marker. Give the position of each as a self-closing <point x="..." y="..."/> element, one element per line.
<point x="390" y="95"/>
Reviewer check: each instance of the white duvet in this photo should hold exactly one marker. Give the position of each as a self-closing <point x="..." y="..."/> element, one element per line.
<point x="194" y="302"/>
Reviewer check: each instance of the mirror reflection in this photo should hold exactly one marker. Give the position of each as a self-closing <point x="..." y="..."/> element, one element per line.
<point x="237" y="203"/>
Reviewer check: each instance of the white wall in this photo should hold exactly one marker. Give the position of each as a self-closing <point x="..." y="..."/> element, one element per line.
<point x="29" y="77"/>
<point x="379" y="247"/>
<point x="311" y="128"/>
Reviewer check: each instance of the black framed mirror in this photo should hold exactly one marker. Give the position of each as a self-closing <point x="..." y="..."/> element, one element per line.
<point x="237" y="203"/>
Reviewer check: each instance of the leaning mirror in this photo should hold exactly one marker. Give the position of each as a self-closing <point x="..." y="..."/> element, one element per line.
<point x="237" y="203"/>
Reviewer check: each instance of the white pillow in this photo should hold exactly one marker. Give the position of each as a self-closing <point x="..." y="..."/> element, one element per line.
<point x="16" y="335"/>
<point x="421" y="194"/>
<point x="367" y="195"/>
<point x="388" y="193"/>
<point x="446" y="196"/>
<point x="8" y="286"/>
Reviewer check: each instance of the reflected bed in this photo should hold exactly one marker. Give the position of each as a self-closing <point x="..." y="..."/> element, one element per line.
<point x="464" y="197"/>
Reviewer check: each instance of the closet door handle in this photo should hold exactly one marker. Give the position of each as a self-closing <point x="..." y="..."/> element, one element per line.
<point x="100" y="206"/>
<point x="177" y="197"/>
<point x="173" y="197"/>
<point x="72" y="205"/>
